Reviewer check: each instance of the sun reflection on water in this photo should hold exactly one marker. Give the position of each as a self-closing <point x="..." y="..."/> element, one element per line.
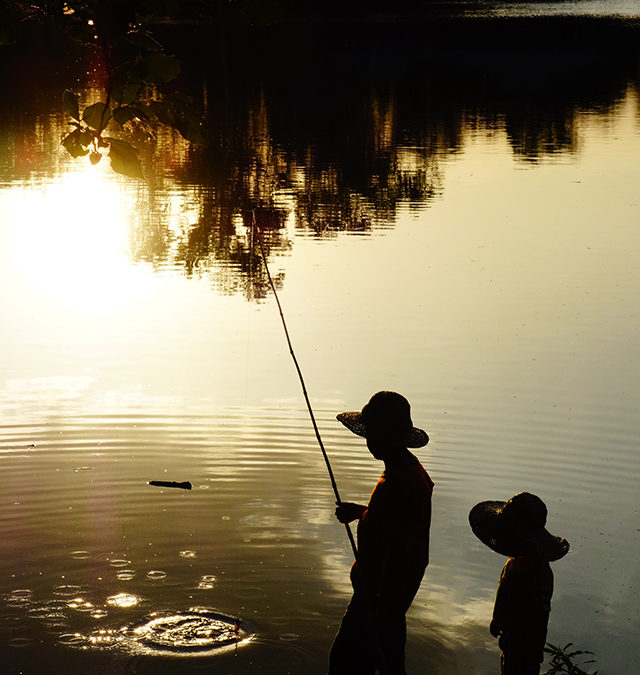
<point x="73" y="239"/>
<point x="123" y="600"/>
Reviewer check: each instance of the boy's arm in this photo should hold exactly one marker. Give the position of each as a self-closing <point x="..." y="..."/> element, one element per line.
<point x="348" y="511"/>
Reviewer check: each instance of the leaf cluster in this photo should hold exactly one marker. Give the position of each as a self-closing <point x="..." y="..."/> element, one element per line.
<point x="562" y="660"/>
<point x="137" y="67"/>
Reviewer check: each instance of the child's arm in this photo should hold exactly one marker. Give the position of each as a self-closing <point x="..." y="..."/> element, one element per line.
<point x="501" y="608"/>
<point x="494" y="628"/>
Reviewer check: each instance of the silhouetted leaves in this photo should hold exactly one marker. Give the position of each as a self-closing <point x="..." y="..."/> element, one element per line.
<point x="71" y="104"/>
<point x="160" y="68"/>
<point x="124" y="91"/>
<point x="143" y="40"/>
<point x="128" y="113"/>
<point x="177" y="111"/>
<point x="76" y="143"/>
<point x="135" y="67"/>
<point x="563" y="660"/>
<point x="124" y="158"/>
<point x="96" y="116"/>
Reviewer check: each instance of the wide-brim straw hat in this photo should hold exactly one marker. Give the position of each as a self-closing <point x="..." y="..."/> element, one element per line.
<point x="389" y="414"/>
<point x="517" y="527"/>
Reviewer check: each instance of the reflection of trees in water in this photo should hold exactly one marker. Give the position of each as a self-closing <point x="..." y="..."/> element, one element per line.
<point x="206" y="236"/>
<point x="338" y="142"/>
<point x="223" y="247"/>
<point x="341" y="142"/>
<point x="239" y="179"/>
<point x="367" y="178"/>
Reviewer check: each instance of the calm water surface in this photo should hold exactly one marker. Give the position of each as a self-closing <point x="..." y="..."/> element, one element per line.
<point x="467" y="237"/>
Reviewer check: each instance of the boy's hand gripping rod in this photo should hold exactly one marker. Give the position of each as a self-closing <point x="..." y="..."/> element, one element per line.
<point x="304" y="388"/>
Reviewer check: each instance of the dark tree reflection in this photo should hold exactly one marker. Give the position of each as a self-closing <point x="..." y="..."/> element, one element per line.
<point x="328" y="127"/>
<point x="225" y="248"/>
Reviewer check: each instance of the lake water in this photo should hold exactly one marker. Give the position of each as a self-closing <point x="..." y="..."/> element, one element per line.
<point x="462" y="228"/>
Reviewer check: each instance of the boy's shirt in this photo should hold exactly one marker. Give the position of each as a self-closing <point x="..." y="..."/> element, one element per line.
<point x="393" y="534"/>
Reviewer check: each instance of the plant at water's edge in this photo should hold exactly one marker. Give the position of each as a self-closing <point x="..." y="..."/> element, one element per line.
<point x="133" y="67"/>
<point x="136" y="68"/>
<point x="562" y="660"/>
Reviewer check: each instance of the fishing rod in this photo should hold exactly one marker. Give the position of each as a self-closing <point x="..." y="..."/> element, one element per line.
<point x="334" y="485"/>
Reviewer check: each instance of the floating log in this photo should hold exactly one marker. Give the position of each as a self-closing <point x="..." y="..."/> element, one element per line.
<point x="185" y="485"/>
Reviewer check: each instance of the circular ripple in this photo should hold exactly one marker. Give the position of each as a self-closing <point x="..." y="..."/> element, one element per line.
<point x="196" y="630"/>
<point x="207" y="582"/>
<point x="80" y="555"/>
<point x="53" y="610"/>
<point x="67" y="590"/>
<point x="119" y="562"/>
<point x="81" y="605"/>
<point x="187" y="554"/>
<point x="126" y="575"/>
<point x="10" y="621"/>
<point x="105" y="637"/>
<point x="156" y="575"/>
<point x="19" y="642"/>
<point x="71" y="639"/>
<point x="19" y="598"/>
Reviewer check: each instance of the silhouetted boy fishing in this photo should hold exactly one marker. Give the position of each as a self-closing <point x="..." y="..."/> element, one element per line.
<point x="393" y="541"/>
<point x="393" y="530"/>
<point x="521" y="612"/>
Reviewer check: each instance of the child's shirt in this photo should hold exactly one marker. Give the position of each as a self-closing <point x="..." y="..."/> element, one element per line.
<point x="393" y="533"/>
<point x="523" y="600"/>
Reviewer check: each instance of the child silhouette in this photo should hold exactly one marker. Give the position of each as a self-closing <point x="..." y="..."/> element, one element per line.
<point x="521" y="612"/>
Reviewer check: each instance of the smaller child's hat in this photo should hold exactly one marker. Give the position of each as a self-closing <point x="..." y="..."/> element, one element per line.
<point x="517" y="527"/>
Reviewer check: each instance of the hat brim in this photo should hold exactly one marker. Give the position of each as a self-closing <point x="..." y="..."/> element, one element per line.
<point x="493" y="531"/>
<point x="417" y="438"/>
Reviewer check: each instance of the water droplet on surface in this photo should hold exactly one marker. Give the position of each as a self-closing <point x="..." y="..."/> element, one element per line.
<point x="104" y="637"/>
<point x="71" y="639"/>
<point x="123" y="600"/>
<point x="119" y="562"/>
<point x="196" y="630"/>
<point x="19" y="597"/>
<point x="80" y="555"/>
<point x="51" y="611"/>
<point x="67" y="590"/>
<point x="207" y="581"/>
<point x="99" y="613"/>
<point x="80" y="605"/>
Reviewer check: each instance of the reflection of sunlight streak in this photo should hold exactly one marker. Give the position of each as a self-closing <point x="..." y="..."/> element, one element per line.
<point x="73" y="240"/>
<point x="450" y="608"/>
<point x="123" y="600"/>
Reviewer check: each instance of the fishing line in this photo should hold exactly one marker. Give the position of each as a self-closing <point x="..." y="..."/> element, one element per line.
<point x="334" y="485"/>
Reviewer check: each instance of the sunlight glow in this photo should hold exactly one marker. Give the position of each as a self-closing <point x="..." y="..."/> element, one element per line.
<point x="74" y="240"/>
